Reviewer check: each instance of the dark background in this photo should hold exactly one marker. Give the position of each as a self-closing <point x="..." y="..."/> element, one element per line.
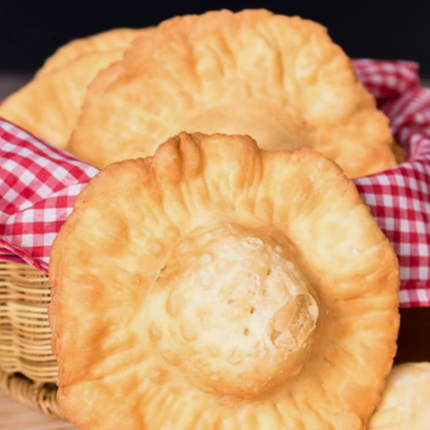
<point x="31" y="30"/>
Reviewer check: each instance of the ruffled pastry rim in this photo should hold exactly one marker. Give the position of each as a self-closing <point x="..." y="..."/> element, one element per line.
<point x="357" y="157"/>
<point x="182" y="159"/>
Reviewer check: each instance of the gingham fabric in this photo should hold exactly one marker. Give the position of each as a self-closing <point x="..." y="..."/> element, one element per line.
<point x="39" y="183"/>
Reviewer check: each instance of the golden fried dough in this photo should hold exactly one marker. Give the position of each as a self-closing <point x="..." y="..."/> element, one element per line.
<point x="219" y="286"/>
<point x="50" y="104"/>
<point x="405" y="403"/>
<point x="278" y="79"/>
<point x="118" y="38"/>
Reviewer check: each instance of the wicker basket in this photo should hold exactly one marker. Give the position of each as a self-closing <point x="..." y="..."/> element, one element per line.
<point x="28" y="369"/>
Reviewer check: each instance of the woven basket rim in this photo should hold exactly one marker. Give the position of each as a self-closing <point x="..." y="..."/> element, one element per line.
<point x="42" y="397"/>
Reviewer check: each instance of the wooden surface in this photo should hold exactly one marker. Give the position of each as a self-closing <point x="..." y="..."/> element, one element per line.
<point x="14" y="416"/>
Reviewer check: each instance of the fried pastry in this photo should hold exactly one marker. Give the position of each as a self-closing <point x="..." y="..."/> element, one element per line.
<point x="220" y="286"/>
<point x="278" y="79"/>
<point x="118" y="38"/>
<point x="405" y="403"/>
<point x="50" y="104"/>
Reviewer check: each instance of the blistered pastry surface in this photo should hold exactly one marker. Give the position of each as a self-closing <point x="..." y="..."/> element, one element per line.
<point x="280" y="80"/>
<point x="219" y="286"/>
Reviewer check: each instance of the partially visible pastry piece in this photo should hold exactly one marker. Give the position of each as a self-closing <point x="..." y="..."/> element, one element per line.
<point x="50" y="104"/>
<point x="405" y="403"/>
<point x="278" y="79"/>
<point x="219" y="286"/>
<point x="118" y="38"/>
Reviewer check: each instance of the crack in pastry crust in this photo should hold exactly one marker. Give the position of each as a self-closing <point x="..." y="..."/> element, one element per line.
<point x="220" y="286"/>
<point x="280" y="80"/>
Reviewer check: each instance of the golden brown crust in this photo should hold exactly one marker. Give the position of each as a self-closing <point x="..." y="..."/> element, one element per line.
<point x="50" y="104"/>
<point x="220" y="286"/>
<point x="405" y="401"/>
<point x="118" y="38"/>
<point x="279" y="79"/>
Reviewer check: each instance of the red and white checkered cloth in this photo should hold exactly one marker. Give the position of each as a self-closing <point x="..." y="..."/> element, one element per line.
<point x="399" y="198"/>
<point x="39" y="183"/>
<point x="38" y="186"/>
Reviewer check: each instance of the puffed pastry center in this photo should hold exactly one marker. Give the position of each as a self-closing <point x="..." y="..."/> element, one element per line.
<point x="232" y="299"/>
